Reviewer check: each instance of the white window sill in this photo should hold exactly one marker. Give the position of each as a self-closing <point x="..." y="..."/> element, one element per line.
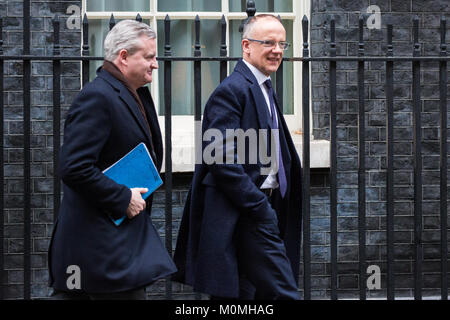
<point x="183" y="151"/>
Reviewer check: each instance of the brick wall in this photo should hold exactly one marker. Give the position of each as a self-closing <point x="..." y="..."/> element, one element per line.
<point x="401" y="13"/>
<point x="42" y="13"/>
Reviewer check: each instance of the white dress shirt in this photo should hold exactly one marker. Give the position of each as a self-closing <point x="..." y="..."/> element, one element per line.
<point x="271" y="181"/>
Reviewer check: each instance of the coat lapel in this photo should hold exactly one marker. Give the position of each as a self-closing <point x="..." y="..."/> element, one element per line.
<point x="277" y="104"/>
<point x="262" y="110"/>
<point x="152" y="118"/>
<point x="263" y="113"/>
<point x="127" y="98"/>
<point x="132" y="105"/>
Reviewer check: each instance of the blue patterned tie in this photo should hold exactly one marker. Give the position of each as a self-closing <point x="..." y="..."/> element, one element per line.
<point x="281" y="173"/>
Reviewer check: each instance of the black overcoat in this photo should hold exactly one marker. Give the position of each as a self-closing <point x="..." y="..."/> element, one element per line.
<point x="221" y="193"/>
<point x="103" y="124"/>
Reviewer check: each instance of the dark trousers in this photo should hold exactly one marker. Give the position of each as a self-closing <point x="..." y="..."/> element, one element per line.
<point x="264" y="268"/>
<point x="136" y="294"/>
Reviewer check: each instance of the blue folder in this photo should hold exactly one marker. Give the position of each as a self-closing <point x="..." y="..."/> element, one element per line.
<point x="135" y="170"/>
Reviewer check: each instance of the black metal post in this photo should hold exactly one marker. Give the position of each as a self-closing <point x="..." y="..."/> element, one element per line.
<point x="197" y="73"/>
<point x="417" y="125"/>
<point x="112" y="22"/>
<point x="2" y="165"/>
<point x="306" y="166"/>
<point x="138" y="18"/>
<point x="279" y="82"/>
<point x="197" y="90"/>
<point x="85" y="63"/>
<point x="250" y="10"/>
<point x="56" y="118"/>
<point x="27" y="151"/>
<point x="443" y="161"/>
<point x="168" y="145"/>
<point x="361" y="168"/>
<point x="333" y="164"/>
<point x="279" y="85"/>
<point x="390" y="165"/>
<point x="223" y="49"/>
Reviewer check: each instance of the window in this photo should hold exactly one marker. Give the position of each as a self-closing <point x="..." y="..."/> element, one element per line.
<point x="182" y="14"/>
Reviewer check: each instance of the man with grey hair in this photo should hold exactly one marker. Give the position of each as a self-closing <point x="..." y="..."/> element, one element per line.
<point x="240" y="232"/>
<point x="89" y="256"/>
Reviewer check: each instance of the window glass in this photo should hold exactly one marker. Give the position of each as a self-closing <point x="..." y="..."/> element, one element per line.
<point x="98" y="29"/>
<point x="189" y="5"/>
<point x="262" y="5"/>
<point x="183" y="38"/>
<point x="182" y="45"/>
<point x="288" y="71"/>
<point x="118" y="5"/>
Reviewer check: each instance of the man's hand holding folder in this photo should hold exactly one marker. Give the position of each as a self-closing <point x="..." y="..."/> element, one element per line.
<point x="137" y="204"/>
<point x="137" y="171"/>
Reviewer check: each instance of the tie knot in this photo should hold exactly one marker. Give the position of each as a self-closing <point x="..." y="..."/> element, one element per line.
<point x="268" y="84"/>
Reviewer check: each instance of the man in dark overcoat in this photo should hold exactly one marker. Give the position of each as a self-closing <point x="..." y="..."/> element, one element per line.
<point x="90" y="257"/>
<point x="241" y="227"/>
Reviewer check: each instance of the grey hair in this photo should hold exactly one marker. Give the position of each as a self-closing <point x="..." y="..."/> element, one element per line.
<point x="125" y="35"/>
<point x="250" y="22"/>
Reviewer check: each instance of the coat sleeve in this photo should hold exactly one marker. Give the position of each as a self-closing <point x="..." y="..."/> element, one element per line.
<point x="223" y="112"/>
<point x="87" y="128"/>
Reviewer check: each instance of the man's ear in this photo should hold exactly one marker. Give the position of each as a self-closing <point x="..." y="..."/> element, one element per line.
<point x="123" y="55"/>
<point x="245" y="46"/>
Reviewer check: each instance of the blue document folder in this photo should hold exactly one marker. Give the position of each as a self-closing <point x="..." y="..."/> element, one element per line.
<point x="135" y="170"/>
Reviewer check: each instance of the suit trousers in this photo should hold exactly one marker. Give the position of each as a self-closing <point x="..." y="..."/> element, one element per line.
<point x="264" y="268"/>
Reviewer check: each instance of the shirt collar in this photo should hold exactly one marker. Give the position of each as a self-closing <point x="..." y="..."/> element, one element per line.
<point x="260" y="77"/>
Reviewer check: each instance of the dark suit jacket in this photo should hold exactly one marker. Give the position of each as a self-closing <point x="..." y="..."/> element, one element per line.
<point x="222" y="193"/>
<point x="103" y="124"/>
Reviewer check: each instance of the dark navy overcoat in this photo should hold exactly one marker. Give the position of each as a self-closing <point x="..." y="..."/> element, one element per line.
<point x="103" y="124"/>
<point x="221" y="193"/>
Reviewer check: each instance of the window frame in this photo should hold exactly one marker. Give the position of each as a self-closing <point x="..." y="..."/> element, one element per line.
<point x="183" y="125"/>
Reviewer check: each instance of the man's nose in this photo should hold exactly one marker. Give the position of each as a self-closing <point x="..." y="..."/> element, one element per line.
<point x="155" y="64"/>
